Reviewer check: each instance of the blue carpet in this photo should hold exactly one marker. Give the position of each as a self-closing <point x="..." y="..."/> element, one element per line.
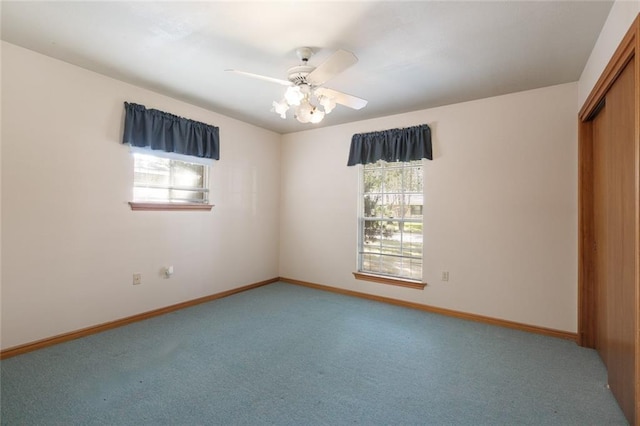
<point x="289" y="355"/>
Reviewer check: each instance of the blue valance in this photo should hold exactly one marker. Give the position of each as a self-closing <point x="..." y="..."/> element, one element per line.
<point x="408" y="144"/>
<point x="167" y="132"/>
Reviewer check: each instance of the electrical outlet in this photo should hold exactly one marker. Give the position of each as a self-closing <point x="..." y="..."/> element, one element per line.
<point x="168" y="271"/>
<point x="445" y="276"/>
<point x="137" y="279"/>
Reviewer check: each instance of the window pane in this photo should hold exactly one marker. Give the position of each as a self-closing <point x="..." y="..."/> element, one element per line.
<point x="187" y="174"/>
<point x="167" y="180"/>
<point x="391" y="238"/>
<point x="412" y="268"/>
<point x="392" y="205"/>
<point x="369" y="262"/>
<point x="412" y="240"/>
<point x="413" y="179"/>
<point x="391" y="265"/>
<point x="392" y="245"/>
<point x="151" y="170"/>
<point x="372" y="205"/>
<point x="378" y="264"/>
<point x="413" y="208"/>
<point x="372" y="231"/>
<point x="372" y="180"/>
<point x="393" y="180"/>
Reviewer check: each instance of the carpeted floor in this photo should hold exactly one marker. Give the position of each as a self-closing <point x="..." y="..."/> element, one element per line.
<point x="289" y="355"/>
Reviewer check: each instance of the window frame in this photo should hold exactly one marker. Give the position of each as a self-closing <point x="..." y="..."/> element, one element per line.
<point x="379" y="277"/>
<point x="173" y="204"/>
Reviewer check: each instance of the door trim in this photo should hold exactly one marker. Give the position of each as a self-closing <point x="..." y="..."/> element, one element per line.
<point x="628" y="50"/>
<point x="623" y="54"/>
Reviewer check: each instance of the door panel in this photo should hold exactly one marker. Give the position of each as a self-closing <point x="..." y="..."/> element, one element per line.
<point x="615" y="233"/>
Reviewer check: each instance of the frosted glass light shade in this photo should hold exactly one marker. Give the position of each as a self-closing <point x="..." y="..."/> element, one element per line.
<point x="304" y="112"/>
<point x="281" y="108"/>
<point x="293" y="95"/>
<point x="327" y="103"/>
<point x="316" y="116"/>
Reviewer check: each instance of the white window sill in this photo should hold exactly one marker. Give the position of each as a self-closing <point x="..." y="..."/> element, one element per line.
<point x="168" y="206"/>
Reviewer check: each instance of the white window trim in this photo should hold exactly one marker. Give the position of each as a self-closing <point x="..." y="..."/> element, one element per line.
<point x="167" y="205"/>
<point x="376" y="276"/>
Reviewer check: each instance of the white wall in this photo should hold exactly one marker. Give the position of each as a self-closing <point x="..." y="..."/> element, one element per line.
<point x="620" y="18"/>
<point x="500" y="203"/>
<point x="70" y="242"/>
<point x="500" y="207"/>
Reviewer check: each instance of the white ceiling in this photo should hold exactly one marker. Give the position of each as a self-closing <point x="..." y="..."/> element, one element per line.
<point x="412" y="55"/>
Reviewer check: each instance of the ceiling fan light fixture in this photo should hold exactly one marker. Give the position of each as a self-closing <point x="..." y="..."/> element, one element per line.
<point x="304" y="112"/>
<point x="293" y="95"/>
<point x="305" y="93"/>
<point x="316" y="116"/>
<point x="328" y="104"/>
<point x="308" y="113"/>
<point x="281" y="108"/>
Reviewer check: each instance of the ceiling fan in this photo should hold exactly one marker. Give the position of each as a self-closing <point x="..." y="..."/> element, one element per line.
<point x="305" y="91"/>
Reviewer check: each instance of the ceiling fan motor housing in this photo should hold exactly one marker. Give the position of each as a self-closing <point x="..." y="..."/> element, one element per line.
<point x="298" y="75"/>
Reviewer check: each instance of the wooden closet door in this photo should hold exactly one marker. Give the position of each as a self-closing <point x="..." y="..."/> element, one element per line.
<point x="614" y="171"/>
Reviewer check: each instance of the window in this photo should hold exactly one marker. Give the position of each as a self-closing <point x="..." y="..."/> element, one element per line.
<point x="166" y="180"/>
<point x="390" y="220"/>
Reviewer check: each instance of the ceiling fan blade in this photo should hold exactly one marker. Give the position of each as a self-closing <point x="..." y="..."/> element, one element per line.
<point x="262" y="77"/>
<point x="342" y="98"/>
<point x="334" y="65"/>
